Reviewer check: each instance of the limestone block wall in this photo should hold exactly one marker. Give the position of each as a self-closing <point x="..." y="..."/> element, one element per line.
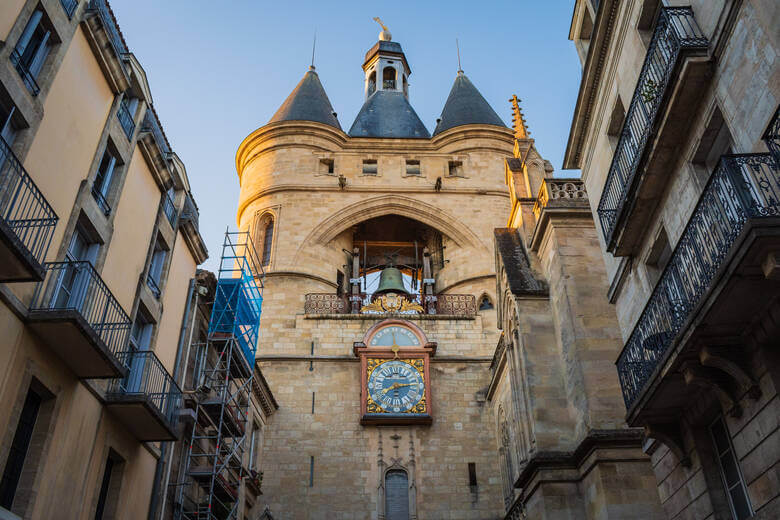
<point x="346" y="453"/>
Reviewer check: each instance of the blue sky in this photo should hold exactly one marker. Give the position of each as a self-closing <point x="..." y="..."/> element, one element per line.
<point x="219" y="70"/>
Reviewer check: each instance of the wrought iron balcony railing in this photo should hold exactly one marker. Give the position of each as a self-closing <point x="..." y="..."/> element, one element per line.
<point x="444" y="304"/>
<point x="69" y="6"/>
<point x="169" y="209"/>
<point x="24" y="72"/>
<point x="111" y="27"/>
<point x="23" y="208"/>
<point x="100" y="198"/>
<point x="126" y="118"/>
<point x="772" y="136"/>
<point x="743" y="187"/>
<point x="153" y="285"/>
<point x="147" y="379"/>
<point x="676" y="32"/>
<point x="77" y="286"/>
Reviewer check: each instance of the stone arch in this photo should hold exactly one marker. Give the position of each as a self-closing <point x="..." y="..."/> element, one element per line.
<point x="485" y="302"/>
<point x="436" y="218"/>
<point x="264" y="228"/>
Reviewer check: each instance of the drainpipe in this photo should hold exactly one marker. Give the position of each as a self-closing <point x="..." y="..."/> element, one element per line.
<point x="163" y="452"/>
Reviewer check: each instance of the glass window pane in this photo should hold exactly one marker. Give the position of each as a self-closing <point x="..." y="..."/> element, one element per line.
<point x="741" y="506"/>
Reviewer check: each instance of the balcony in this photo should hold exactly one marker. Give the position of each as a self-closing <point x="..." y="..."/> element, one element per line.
<point x="27" y="222"/>
<point x="656" y="122"/>
<point x="24" y="72"/>
<point x="461" y="305"/>
<point x="100" y="198"/>
<point x="79" y="318"/>
<point x="714" y="282"/>
<point x="107" y="44"/>
<point x="69" y="6"/>
<point x="100" y="7"/>
<point x="126" y="119"/>
<point x="147" y="399"/>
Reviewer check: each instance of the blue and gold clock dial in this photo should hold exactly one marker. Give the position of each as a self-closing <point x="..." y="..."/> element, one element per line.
<point x="397" y="386"/>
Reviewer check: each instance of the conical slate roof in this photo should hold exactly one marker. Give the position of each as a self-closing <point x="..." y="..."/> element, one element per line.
<point x="388" y="114"/>
<point x="466" y="106"/>
<point x="307" y="102"/>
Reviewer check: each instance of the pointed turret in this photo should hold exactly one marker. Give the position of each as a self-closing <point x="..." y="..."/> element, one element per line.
<point x="386" y="111"/>
<point x="307" y="102"/>
<point x="466" y="106"/>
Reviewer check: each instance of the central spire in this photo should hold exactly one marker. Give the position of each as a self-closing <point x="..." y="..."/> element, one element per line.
<point x="386" y="111"/>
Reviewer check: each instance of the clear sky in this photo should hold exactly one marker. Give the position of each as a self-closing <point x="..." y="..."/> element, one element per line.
<point x="219" y="69"/>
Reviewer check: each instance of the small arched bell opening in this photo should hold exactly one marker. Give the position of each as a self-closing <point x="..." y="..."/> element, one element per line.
<point x="396" y="495"/>
<point x="371" y="83"/>
<point x="388" y="78"/>
<point x="485" y="303"/>
<point x="406" y="86"/>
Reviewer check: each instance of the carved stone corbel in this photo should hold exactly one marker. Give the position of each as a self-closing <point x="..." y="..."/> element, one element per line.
<point x="707" y="378"/>
<point x="716" y="357"/>
<point x="670" y="435"/>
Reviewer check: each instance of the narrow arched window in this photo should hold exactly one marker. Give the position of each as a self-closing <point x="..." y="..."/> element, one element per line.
<point x="484" y="303"/>
<point x="268" y="239"/>
<point x="372" y="82"/>
<point x="396" y="495"/>
<point x="388" y="78"/>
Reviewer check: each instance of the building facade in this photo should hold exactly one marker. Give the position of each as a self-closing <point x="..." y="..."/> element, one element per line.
<point x="412" y="381"/>
<point x="99" y="244"/>
<point x="676" y="133"/>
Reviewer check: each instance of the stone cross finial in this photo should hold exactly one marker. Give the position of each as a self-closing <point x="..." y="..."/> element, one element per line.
<point x="518" y="120"/>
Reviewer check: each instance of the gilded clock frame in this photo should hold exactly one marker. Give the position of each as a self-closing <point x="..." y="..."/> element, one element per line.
<point x="372" y="356"/>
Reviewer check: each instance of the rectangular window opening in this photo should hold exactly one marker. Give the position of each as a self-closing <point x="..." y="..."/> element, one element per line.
<point x="311" y="471"/>
<point x="32" y="48"/>
<point x="412" y="167"/>
<point x="326" y="166"/>
<point x="455" y="169"/>
<point x="370" y="167"/>
<point x="108" y="496"/>
<point x="731" y="475"/>
<point x="472" y="474"/>
<point x="312" y="402"/>
<point x="104" y="177"/>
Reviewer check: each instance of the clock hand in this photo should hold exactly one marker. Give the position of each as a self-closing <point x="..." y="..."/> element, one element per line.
<point x="396" y="385"/>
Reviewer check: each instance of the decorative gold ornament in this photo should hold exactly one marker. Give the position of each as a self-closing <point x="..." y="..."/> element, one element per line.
<point x="392" y="302"/>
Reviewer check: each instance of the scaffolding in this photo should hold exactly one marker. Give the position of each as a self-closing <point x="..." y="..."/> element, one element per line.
<point x="224" y="370"/>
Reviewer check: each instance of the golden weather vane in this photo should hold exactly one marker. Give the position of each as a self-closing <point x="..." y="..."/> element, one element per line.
<point x="379" y="21"/>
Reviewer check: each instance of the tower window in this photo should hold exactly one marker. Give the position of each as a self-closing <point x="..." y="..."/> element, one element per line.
<point x="484" y="303"/>
<point x="396" y="495"/>
<point x="388" y="78"/>
<point x="326" y="166"/>
<point x="371" y="83"/>
<point x="412" y="167"/>
<point x="369" y="167"/>
<point x="455" y="169"/>
<point x="268" y="237"/>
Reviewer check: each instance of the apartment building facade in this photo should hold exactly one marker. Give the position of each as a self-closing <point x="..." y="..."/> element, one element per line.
<point x="676" y="133"/>
<point x="99" y="246"/>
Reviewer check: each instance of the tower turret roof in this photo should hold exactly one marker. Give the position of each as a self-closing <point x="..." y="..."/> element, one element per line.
<point x="307" y="102"/>
<point x="466" y="106"/>
<point x="388" y="113"/>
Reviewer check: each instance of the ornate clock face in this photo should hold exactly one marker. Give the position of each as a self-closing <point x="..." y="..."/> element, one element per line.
<point x="397" y="386"/>
<point x="394" y="336"/>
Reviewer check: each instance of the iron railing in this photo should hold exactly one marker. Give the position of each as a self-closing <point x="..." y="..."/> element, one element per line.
<point x="152" y="124"/>
<point x="169" y="209"/>
<point x="126" y="118"/>
<point x="69" y="6"/>
<point x="743" y="187"/>
<point x="24" y="72"/>
<point x="23" y="208"/>
<point x="109" y="23"/>
<point x="146" y="378"/>
<point x="446" y="304"/>
<point x="77" y="286"/>
<point x="153" y="285"/>
<point x="100" y="198"/>
<point x="675" y="32"/>
<point x="772" y="136"/>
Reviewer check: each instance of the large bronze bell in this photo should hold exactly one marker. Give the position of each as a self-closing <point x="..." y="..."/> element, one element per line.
<point x="390" y="280"/>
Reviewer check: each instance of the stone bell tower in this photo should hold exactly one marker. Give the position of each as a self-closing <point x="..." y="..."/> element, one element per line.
<point x="380" y="402"/>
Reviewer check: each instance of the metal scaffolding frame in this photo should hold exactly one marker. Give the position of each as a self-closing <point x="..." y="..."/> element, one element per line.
<point x="224" y="370"/>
